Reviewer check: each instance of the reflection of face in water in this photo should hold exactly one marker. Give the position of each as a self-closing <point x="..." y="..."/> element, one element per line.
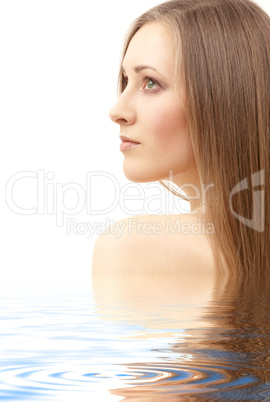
<point x="219" y="338"/>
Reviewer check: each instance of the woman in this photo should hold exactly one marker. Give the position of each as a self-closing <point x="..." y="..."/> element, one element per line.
<point x="194" y="108"/>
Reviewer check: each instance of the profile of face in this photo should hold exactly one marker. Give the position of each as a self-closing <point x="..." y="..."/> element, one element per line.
<point x="150" y="111"/>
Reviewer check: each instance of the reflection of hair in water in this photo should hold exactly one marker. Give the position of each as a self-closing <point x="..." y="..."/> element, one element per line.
<point x="242" y="340"/>
<point x="229" y="360"/>
<point x="223" y="58"/>
<point x="245" y="312"/>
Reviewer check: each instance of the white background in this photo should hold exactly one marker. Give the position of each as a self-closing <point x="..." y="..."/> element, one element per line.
<point x="59" y="66"/>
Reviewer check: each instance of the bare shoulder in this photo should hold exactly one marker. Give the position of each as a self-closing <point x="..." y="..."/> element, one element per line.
<point x="154" y="243"/>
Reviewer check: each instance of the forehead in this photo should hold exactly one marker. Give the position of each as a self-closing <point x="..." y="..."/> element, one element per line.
<point x="152" y="45"/>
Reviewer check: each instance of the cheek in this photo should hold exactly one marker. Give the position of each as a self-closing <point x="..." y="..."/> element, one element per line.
<point x="168" y="138"/>
<point x="167" y="127"/>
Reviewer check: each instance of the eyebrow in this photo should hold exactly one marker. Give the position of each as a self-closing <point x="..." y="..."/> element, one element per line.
<point x="138" y="69"/>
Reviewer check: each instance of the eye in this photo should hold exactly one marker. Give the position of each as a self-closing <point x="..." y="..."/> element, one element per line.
<point x="150" y="84"/>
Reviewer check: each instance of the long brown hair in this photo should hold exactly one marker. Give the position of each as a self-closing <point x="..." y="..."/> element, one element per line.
<point x="223" y="58"/>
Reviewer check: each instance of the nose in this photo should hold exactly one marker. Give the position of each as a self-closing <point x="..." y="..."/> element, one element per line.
<point x="122" y="112"/>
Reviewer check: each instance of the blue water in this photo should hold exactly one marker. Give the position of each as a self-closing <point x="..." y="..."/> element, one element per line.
<point x="113" y="343"/>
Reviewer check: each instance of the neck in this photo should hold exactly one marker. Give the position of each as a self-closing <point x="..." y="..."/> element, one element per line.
<point x="193" y="190"/>
<point x="196" y="206"/>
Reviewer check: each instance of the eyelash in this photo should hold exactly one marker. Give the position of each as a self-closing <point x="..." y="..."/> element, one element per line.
<point x="157" y="86"/>
<point x="124" y="82"/>
<point x="145" y="80"/>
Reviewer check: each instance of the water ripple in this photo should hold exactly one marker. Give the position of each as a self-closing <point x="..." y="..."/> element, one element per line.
<point x="56" y="352"/>
<point x="175" y="380"/>
<point x="29" y="383"/>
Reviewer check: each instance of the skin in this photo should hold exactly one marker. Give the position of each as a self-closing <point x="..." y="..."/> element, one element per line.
<point x="150" y="111"/>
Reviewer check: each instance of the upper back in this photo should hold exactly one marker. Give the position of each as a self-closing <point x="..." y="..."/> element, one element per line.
<point x="154" y="243"/>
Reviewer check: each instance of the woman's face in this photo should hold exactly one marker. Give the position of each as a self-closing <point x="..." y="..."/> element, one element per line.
<point x="150" y="111"/>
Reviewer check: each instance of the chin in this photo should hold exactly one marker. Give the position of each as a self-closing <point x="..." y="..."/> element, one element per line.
<point x="141" y="176"/>
<point x="137" y="178"/>
<point x="135" y="175"/>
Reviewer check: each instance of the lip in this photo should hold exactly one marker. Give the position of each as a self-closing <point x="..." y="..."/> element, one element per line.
<point x="127" y="139"/>
<point x="127" y="143"/>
